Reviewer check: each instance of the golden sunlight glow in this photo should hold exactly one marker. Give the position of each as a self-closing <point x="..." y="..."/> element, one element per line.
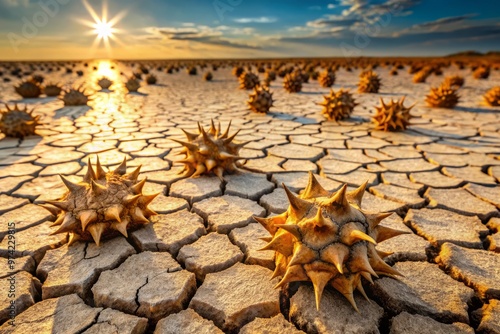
<point x="102" y="27"/>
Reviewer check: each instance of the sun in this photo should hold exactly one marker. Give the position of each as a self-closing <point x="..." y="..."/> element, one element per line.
<point x="103" y="29"/>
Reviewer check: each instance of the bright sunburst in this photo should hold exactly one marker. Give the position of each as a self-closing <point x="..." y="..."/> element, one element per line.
<point x="102" y="28"/>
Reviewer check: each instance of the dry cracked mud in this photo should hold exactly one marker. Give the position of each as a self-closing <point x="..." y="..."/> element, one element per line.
<point x="197" y="265"/>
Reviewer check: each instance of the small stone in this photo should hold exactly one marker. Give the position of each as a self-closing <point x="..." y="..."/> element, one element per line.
<point x="164" y="205"/>
<point x="460" y="201"/>
<point x="169" y="232"/>
<point x="164" y="288"/>
<point x="275" y="202"/>
<point x="227" y="212"/>
<point x="194" y="190"/>
<point x="407" y="196"/>
<point x="236" y="296"/>
<point x="435" y="180"/>
<point x="21" y="289"/>
<point x="440" y="226"/>
<point x="274" y="325"/>
<point x="405" y="323"/>
<point x="424" y="289"/>
<point x="248" y="185"/>
<point x="248" y="239"/>
<point x="67" y="314"/>
<point x="490" y="317"/>
<point x="74" y="269"/>
<point x="211" y="253"/>
<point x="190" y="322"/>
<point x="111" y="321"/>
<point x="296" y="151"/>
<point x="477" y="268"/>
<point x="408" y="165"/>
<point x="336" y="314"/>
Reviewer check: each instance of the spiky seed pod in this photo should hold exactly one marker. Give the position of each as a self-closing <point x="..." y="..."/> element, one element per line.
<point x="393" y="71"/>
<point x="75" y="97"/>
<point x="270" y="76"/>
<point x="482" y="72"/>
<point x="132" y="84"/>
<point x="151" y="79"/>
<point x="28" y="89"/>
<point x="18" y="123"/>
<point x="369" y="83"/>
<point x="327" y="79"/>
<point x="455" y="81"/>
<point x="52" y="89"/>
<point x="292" y="82"/>
<point x="420" y="76"/>
<point x="338" y="105"/>
<point x="327" y="239"/>
<point x="238" y="71"/>
<point x="442" y="97"/>
<point x="208" y="76"/>
<point x="492" y="97"/>
<point x="192" y="70"/>
<point x="37" y="78"/>
<point x="103" y="205"/>
<point x="210" y="151"/>
<point x="248" y="80"/>
<point x="314" y="75"/>
<point x="392" y="117"/>
<point x="104" y="83"/>
<point x="261" y="99"/>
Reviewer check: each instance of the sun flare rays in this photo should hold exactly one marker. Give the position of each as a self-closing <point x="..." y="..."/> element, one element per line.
<point x="103" y="28"/>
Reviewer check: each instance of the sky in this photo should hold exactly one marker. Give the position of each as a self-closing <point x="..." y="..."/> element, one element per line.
<point x="165" y="29"/>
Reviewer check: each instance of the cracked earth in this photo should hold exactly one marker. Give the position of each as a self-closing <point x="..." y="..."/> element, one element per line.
<point x="197" y="267"/>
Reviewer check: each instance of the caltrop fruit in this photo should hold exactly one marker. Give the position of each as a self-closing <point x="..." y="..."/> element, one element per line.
<point x="338" y="105"/>
<point x="19" y="123"/>
<point x="75" y="97"/>
<point x="327" y="239"/>
<point x="492" y="97"/>
<point x="393" y="116"/>
<point x="260" y="100"/>
<point x="443" y="96"/>
<point x="210" y="151"/>
<point x="103" y="205"/>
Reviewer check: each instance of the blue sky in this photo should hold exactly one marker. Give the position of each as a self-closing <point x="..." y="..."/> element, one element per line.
<point x="52" y="29"/>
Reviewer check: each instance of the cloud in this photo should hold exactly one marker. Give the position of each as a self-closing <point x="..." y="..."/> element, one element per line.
<point x="262" y="19"/>
<point x="450" y="23"/>
<point x="201" y="34"/>
<point x="331" y="6"/>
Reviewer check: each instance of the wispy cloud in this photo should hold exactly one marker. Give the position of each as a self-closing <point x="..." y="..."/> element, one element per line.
<point x="331" y="6"/>
<point x="201" y="34"/>
<point x="445" y="23"/>
<point x="262" y="19"/>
